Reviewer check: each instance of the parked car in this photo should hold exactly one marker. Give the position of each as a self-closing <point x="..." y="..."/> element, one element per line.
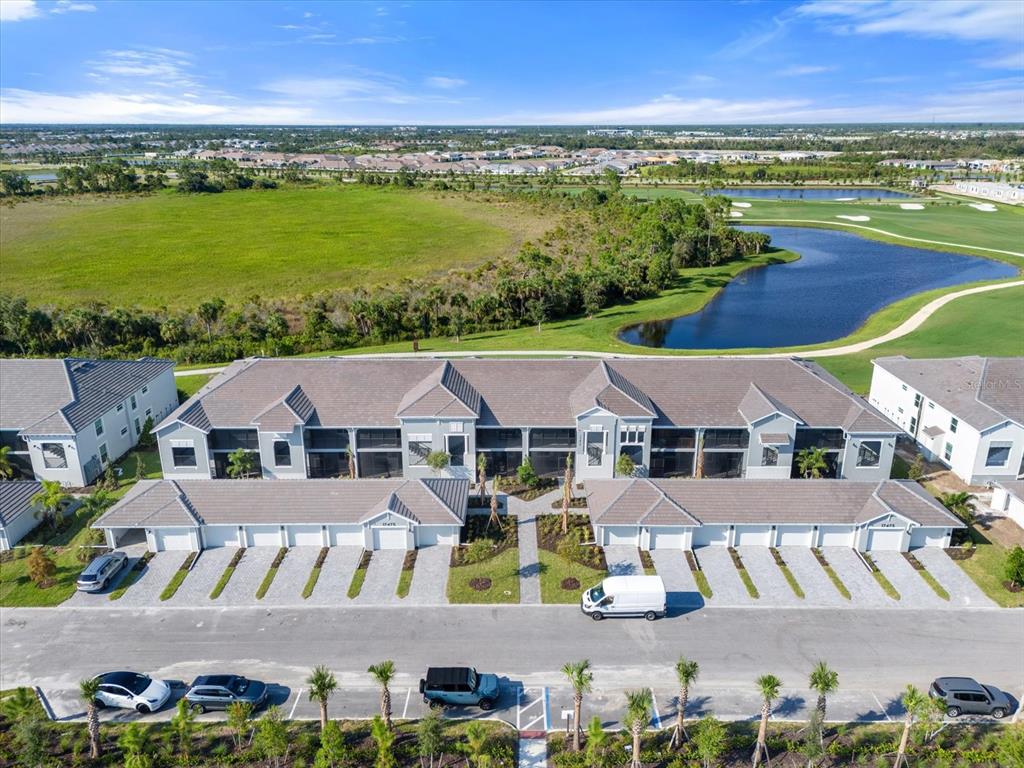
<point x="100" y="571"/>
<point x="130" y="690"/>
<point x="217" y="691"/>
<point x="460" y="687"/>
<point x="625" y="596"/>
<point x="965" y="696"/>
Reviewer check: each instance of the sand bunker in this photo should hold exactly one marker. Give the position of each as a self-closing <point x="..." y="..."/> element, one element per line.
<point x="736" y="214"/>
<point x="986" y="207"/>
<point x="741" y="205"/>
<point x="854" y="218"/>
<point x="911" y="206"/>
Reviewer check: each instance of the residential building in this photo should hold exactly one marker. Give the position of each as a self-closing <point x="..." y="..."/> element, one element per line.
<point x="1008" y="498"/>
<point x="713" y="417"/>
<point x="17" y="512"/>
<point x="965" y="412"/>
<point x="66" y="420"/>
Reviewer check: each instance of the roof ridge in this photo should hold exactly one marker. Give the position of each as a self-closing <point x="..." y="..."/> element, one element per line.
<point x="424" y="482"/>
<point x="214" y="384"/>
<point x="630" y="484"/>
<point x="184" y="503"/>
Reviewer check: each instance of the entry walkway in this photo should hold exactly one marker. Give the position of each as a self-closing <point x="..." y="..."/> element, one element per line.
<point x="529" y="562"/>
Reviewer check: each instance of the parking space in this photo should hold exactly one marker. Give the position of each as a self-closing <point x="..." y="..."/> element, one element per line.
<point x="623" y="561"/>
<point x="962" y="591"/>
<point x="914" y="590"/>
<point x="724" y="579"/>
<point x="146" y="589"/>
<point x="80" y="599"/>
<point x="817" y="586"/>
<point x="382" y="577"/>
<point x="335" y="576"/>
<point x="864" y="590"/>
<point x="767" y="577"/>
<point x="430" y="577"/>
<point x="681" y="589"/>
<point x="207" y="570"/>
<point x="292" y="576"/>
<point x="248" y="575"/>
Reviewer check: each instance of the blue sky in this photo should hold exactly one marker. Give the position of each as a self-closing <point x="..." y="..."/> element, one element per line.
<point x="294" y="62"/>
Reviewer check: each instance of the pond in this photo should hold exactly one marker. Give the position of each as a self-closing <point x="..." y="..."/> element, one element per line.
<point x="810" y="193"/>
<point x="838" y="282"/>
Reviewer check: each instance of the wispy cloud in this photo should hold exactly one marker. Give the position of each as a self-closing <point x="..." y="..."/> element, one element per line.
<point x="67" y="6"/>
<point x="963" y="19"/>
<point x="363" y="87"/>
<point x="801" y="70"/>
<point x="164" y="64"/>
<point x="445" y="83"/>
<point x="750" y="41"/>
<point x="18" y="10"/>
<point x="1014" y="61"/>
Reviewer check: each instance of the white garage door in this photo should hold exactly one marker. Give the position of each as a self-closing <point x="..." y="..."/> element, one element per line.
<point x="220" y="536"/>
<point x="389" y="538"/>
<point x="620" y="535"/>
<point x="752" y="535"/>
<point x="345" y="535"/>
<point x="173" y="539"/>
<point x="795" y="535"/>
<point x="432" y="535"/>
<point x="707" y="535"/>
<point x="835" y="536"/>
<point x="305" y="536"/>
<point x="667" y="538"/>
<point x="888" y="539"/>
<point x="927" y="537"/>
<point x="264" y="535"/>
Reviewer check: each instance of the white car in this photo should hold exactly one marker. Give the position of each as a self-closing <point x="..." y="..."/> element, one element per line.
<point x="130" y="690"/>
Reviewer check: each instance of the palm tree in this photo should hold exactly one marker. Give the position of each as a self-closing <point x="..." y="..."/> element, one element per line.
<point x="476" y="743"/>
<point x="686" y="674"/>
<point x="49" y="501"/>
<point x="351" y="456"/>
<point x="96" y="502"/>
<point x="638" y="714"/>
<point x="960" y="505"/>
<point x="322" y="684"/>
<point x="494" y="519"/>
<point x="769" y="686"/>
<point x="916" y="704"/>
<point x="88" y="689"/>
<point x="596" y="741"/>
<point x="824" y="681"/>
<point x="134" y="742"/>
<point x="580" y="678"/>
<point x="384" y="673"/>
<point x="481" y="474"/>
<point x="567" y="496"/>
<point x="6" y="467"/>
<point x="810" y="462"/>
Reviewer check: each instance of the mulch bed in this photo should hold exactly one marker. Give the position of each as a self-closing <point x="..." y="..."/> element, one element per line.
<point x="960" y="553"/>
<point x="513" y="487"/>
<point x="476" y="529"/>
<point x="913" y="561"/>
<point x="1015" y="588"/>
<point x="691" y="561"/>
<point x="570" y="583"/>
<point x="578" y="502"/>
<point x="549" y="534"/>
<point x="480" y="584"/>
<point x="323" y="556"/>
<point x="409" y="563"/>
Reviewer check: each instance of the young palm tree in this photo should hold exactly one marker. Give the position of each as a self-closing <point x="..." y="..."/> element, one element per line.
<point x="6" y="467"/>
<point x="476" y="743"/>
<point x="88" y="690"/>
<point x="960" y="505"/>
<point x="322" y="684"/>
<point x="494" y="519"/>
<point x="638" y="714"/>
<point x="580" y="678"/>
<point x="769" y="686"/>
<point x="50" y="500"/>
<point x="597" y="739"/>
<point x="824" y="681"/>
<point x="20" y="705"/>
<point x="567" y="495"/>
<point x="811" y="463"/>
<point x="384" y="673"/>
<point x="184" y="725"/>
<point x="915" y="704"/>
<point x="686" y="674"/>
<point x="481" y="474"/>
<point x="385" y="740"/>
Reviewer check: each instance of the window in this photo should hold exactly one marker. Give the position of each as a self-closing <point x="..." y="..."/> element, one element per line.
<point x="124" y="431"/>
<point x="456" y="450"/>
<point x="183" y="457"/>
<point x="900" y="409"/>
<point x="53" y="456"/>
<point x="998" y="455"/>
<point x="953" y="424"/>
<point x="282" y="453"/>
<point x="138" y="429"/>
<point x="99" y="427"/>
<point x="868" y="453"/>
<point x="595" y="448"/>
<point x="145" y="389"/>
<point x="104" y="456"/>
<point x="913" y="424"/>
<point x="120" y="407"/>
<point x="904" y="387"/>
<point x="726" y="438"/>
<point x="632" y="435"/>
<point x="134" y="404"/>
<point x="419" y="446"/>
<point x="947" y="453"/>
<point x="917" y="401"/>
<point x="149" y="412"/>
<point x="931" y="405"/>
<point x="769" y="456"/>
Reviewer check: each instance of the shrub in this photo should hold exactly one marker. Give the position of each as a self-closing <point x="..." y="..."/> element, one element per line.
<point x="478" y="551"/>
<point x="624" y="466"/>
<point x="526" y="473"/>
<point x="1014" y="568"/>
<point x="916" y="469"/>
<point x="41" y="567"/>
<point x="438" y="461"/>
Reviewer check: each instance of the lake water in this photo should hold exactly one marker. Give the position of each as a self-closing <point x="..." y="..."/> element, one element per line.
<point x="838" y="282"/>
<point x="810" y="193"/>
<point x="41" y="176"/>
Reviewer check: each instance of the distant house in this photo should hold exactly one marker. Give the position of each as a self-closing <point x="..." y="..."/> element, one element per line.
<point x="17" y="512"/>
<point x="1008" y="497"/>
<point x="66" y="420"/>
<point x="965" y="412"/>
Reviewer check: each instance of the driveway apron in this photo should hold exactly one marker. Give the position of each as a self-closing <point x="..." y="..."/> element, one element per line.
<point x="675" y="572"/>
<point x="623" y="561"/>
<point x="817" y="586"/>
<point x="430" y="577"/>
<point x="335" y="576"/>
<point x="382" y="578"/>
<point x="770" y="583"/>
<point x="146" y="591"/>
<point x="864" y="590"/>
<point x="292" y="576"/>
<point x="914" y="591"/>
<point x="724" y="579"/>
<point x="248" y="576"/>
<point x="962" y="591"/>
<point x="196" y="588"/>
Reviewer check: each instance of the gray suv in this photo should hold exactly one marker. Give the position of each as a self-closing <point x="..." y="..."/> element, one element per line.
<point x="965" y="696"/>
<point x="100" y="571"/>
<point x="218" y="691"/>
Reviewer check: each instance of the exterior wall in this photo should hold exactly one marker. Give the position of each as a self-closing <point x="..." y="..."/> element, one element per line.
<point x="390" y="522"/>
<point x="888" y="396"/>
<point x="604" y="421"/>
<point x="777" y="424"/>
<point x="11" y="534"/>
<point x="157" y="539"/>
<point x="437" y="429"/>
<point x="72" y="476"/>
<point x="1006" y="433"/>
<point x="1011" y="505"/>
<point x="644" y="466"/>
<point x="882" y="471"/>
<point x="177" y="431"/>
<point x="271" y="471"/>
<point x="431" y="535"/>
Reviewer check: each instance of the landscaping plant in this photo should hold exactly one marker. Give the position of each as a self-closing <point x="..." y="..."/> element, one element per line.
<point x="322" y="684"/>
<point x="768" y="686"/>
<point x="88" y="689"/>
<point x="687" y="671"/>
<point x="580" y="678"/>
<point x="638" y="714"/>
<point x="384" y="673"/>
<point x="1014" y="568"/>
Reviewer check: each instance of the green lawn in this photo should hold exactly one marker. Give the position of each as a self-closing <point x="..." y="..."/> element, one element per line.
<point x="502" y="570"/>
<point x="134" y="251"/>
<point x="554" y="569"/>
<point x="189" y="385"/>
<point x="985" y="567"/>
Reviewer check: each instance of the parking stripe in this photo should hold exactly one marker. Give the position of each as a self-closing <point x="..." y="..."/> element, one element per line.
<point x="880" y="707"/>
<point x="656" y="720"/>
<point x="297" y="697"/>
<point x="405" y="709"/>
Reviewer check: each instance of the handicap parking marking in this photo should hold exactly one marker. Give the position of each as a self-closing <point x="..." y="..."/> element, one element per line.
<point x="536" y="710"/>
<point x="298" y="697"/>
<point x="656" y="719"/>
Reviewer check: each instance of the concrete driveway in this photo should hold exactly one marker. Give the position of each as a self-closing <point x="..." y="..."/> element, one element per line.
<point x="144" y="592"/>
<point x="726" y="586"/>
<point x="962" y="591"/>
<point x="248" y="576"/>
<point x="679" y="584"/>
<point x="817" y="586"/>
<point x="864" y="590"/>
<point x="291" y="577"/>
<point x="623" y="561"/>
<point x="335" y="576"/>
<point x="382" y="578"/>
<point x="770" y="583"/>
<point x="430" y="577"/>
<point x="205" y="573"/>
<point x="914" y="590"/>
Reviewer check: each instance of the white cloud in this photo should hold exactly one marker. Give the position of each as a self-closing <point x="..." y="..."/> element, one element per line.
<point x="1014" y="61"/>
<point x="374" y="40"/>
<point x="372" y="88"/>
<point x="18" y="10"/>
<point x="162" y="63"/>
<point x="445" y="83"/>
<point x="799" y="71"/>
<point x="67" y="6"/>
<point x="752" y="40"/>
<point x="962" y="19"/>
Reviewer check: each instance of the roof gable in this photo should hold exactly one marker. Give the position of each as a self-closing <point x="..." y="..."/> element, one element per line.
<point x="757" y="405"/>
<point x="443" y="393"/>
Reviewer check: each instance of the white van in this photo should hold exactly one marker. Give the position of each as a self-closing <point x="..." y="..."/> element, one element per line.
<point x="625" y="596"/>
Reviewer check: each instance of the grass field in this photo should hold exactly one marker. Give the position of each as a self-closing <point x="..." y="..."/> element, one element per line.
<point x="176" y="250"/>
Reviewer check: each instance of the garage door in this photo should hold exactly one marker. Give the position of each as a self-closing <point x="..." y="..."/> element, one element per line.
<point x="927" y="537"/>
<point x="835" y="536"/>
<point x="707" y="535"/>
<point x="752" y="535"/>
<point x="389" y="538"/>
<point x="889" y="539"/>
<point x="433" y="535"/>
<point x="620" y="535"/>
<point x="173" y="538"/>
<point x="305" y="536"/>
<point x="220" y="536"/>
<point x="667" y="538"/>
<point x="345" y="535"/>
<point x="264" y="535"/>
<point x="795" y="535"/>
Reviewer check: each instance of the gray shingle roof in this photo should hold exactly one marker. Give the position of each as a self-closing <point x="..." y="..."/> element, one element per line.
<point x="980" y="391"/>
<point x="63" y="396"/>
<point x="152" y="503"/>
<point x="368" y="392"/>
<point x="627" y="502"/>
<point x="15" y="499"/>
<point x="1015" y="487"/>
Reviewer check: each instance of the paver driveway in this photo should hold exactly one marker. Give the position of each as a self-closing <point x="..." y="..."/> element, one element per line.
<point x="292" y="576"/>
<point x="248" y="576"/>
<point x="205" y="573"/>
<point x="623" y="561"/>
<point x="335" y="576"/>
<point x="430" y="577"/>
<point x="675" y="572"/>
<point x="914" y="591"/>
<point x="144" y="592"/>
<point x="864" y="590"/>
<point x="770" y="583"/>
<point x="382" y="577"/>
<point x="817" y="586"/>
<point x="726" y="586"/>
<point x="962" y="591"/>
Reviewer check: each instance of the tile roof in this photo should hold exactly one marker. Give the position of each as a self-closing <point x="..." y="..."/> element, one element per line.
<point x="15" y="499"/>
<point x="738" y="501"/>
<point x="152" y="503"/>
<point x="63" y="396"/>
<point x="981" y="391"/>
<point x="369" y="392"/>
<point x="1015" y="487"/>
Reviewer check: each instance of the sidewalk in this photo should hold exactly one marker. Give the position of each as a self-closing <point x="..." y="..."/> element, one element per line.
<point x="529" y="562"/>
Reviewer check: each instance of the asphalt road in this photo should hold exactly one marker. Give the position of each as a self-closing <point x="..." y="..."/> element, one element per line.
<point x="875" y="652"/>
